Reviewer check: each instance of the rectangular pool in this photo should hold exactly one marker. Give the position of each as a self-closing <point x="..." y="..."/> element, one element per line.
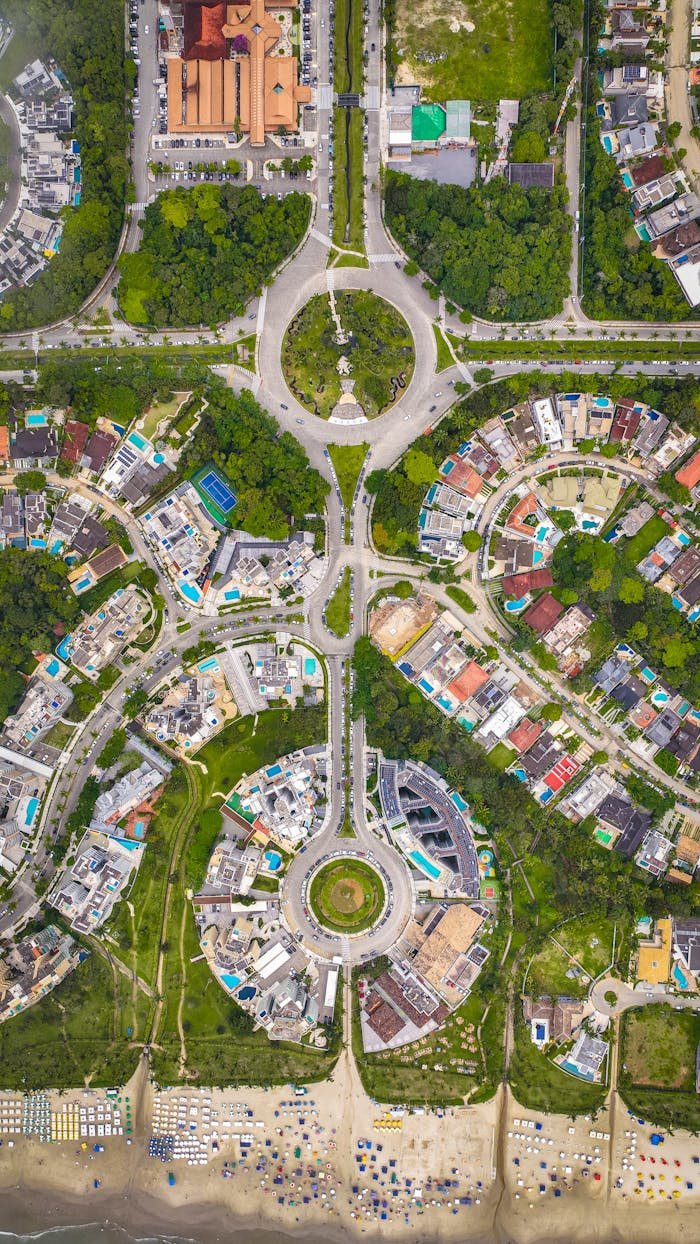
<point x="424" y="864"/>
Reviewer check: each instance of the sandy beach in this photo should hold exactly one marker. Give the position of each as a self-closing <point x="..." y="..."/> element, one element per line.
<point x="332" y="1165"/>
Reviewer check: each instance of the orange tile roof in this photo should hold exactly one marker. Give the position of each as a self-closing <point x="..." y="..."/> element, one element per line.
<point x="4" y="443"/>
<point x="468" y="681"/>
<point x="524" y="508"/>
<point x="689" y="473"/>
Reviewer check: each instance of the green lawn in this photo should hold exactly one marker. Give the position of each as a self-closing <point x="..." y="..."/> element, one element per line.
<point x="638" y="546"/>
<point x="502" y="756"/>
<point x="338" y="607"/>
<point x="77" y="1031"/>
<point x="590" y="940"/>
<point x="547" y="975"/>
<point x="21" y="50"/>
<point x="348" y="200"/>
<point x="461" y="598"/>
<point x="507" y="55"/>
<point x="379" y="351"/>
<point x="347" y="896"/>
<point x="444" y="354"/>
<point x="347" y="460"/>
<point x="539" y="1085"/>
<point x="657" y="1066"/>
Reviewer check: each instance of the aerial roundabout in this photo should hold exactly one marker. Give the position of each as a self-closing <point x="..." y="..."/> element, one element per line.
<point x="347" y="895"/>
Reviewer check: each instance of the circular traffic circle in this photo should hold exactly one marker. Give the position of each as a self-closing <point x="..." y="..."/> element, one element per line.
<point x="346" y="895"/>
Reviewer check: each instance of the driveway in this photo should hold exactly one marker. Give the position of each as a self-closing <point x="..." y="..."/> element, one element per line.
<point x="627" y="998"/>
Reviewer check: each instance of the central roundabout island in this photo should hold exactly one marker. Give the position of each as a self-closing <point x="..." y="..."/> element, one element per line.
<point x="348" y="355"/>
<point x="346" y="895"/>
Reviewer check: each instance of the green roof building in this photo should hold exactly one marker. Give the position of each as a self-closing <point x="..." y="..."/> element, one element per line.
<point x="458" y="121"/>
<point x="427" y="124"/>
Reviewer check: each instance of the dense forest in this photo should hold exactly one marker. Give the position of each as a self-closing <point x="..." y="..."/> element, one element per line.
<point x="87" y="41"/>
<point x="270" y="471"/>
<point x="498" y="250"/>
<point x="120" y="386"/>
<point x="402" y="723"/>
<point x="399" y="493"/>
<point x="206" y="252"/>
<point x="34" y="598"/>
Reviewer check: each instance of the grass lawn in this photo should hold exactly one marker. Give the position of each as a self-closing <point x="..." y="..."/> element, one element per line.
<point x="348" y="226"/>
<point x="76" y="1032"/>
<point x="444" y="355"/>
<point x="21" y="50"/>
<point x="638" y="546"/>
<point x="507" y="55"/>
<point x="547" y="975"/>
<point x="539" y="1085"/>
<point x="347" y="896"/>
<point x="59" y="734"/>
<point x="590" y="941"/>
<point x="338" y="607"/>
<point x="379" y="350"/>
<point x="350" y="261"/>
<point x="347" y="460"/>
<point x="502" y="756"/>
<point x="657" y="1074"/>
<point x="659" y="1047"/>
<point x="158" y="412"/>
<point x="461" y="598"/>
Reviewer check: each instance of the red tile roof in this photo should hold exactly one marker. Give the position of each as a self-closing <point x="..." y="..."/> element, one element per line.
<point x="518" y="584"/>
<point x="543" y="614"/>
<point x="204" y="31"/>
<point x="625" y="423"/>
<point x="75" y="440"/>
<point x="649" y="170"/>
<point x="525" y="734"/>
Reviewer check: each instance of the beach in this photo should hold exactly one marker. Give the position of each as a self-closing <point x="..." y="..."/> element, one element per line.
<point x="265" y="1165"/>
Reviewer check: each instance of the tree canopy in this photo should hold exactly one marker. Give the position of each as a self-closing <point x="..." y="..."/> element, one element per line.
<point x="34" y="598"/>
<point x="499" y="250"/>
<point x="206" y="251"/>
<point x="269" y="470"/>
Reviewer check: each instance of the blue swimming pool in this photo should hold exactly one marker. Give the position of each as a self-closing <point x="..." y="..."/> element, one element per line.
<point x="659" y="697"/>
<point x="607" y="143"/>
<point x="514" y="606"/>
<point x="229" y="980"/>
<point x="272" y="772"/>
<point x="158" y="459"/>
<point x="52" y="667"/>
<point x="537" y="557"/>
<point x="459" y="802"/>
<point x="682" y="538"/>
<point x="139" y="829"/>
<point x="309" y="665"/>
<point x="36" y="421"/>
<point x="83" y="584"/>
<point x="31" y="811"/>
<point x="590" y="524"/>
<point x="542" y="533"/>
<point x="234" y="594"/>
<point x="36" y="543"/>
<point x="274" y="861"/>
<point x="424" y="864"/>
<point x="210" y="664"/>
<point x="627" y="181"/>
<point x="190" y="591"/>
<point x="679" y="976"/>
<point x="247" y="993"/>
<point x="139" y="441"/>
<point x="64" y="649"/>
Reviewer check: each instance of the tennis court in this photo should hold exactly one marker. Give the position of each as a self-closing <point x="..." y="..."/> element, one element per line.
<point x="219" y="492"/>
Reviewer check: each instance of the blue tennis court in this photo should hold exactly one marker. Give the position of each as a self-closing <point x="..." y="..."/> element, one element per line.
<point x="219" y="492"/>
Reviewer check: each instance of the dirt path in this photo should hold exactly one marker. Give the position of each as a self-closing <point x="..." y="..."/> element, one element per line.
<point x="677" y="98"/>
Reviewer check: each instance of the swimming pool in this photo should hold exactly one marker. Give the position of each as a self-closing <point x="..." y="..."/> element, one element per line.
<point x="234" y="594"/>
<point x="682" y="538"/>
<point x="607" y="143"/>
<point x="274" y="771"/>
<point x="247" y="992"/>
<point x="210" y="664"/>
<point x="83" y="583"/>
<point x="139" y="441"/>
<point x="515" y="606"/>
<point x="31" y="811"/>
<point x="677" y="603"/>
<point x="64" y="649"/>
<point x="520" y="774"/>
<point x="679" y="976"/>
<point x="424" y="864"/>
<point x="36" y="421"/>
<point x="274" y="861"/>
<point x="229" y="980"/>
<point x="694" y="615"/>
<point x="627" y="181"/>
<point x="190" y="591"/>
<point x="36" y="543"/>
<point x="659" y="697"/>
<point x="601" y="403"/>
<point x="644" y="233"/>
<point x="542" y="533"/>
<point x="52" y="667"/>
<point x="309" y="665"/>
<point x="537" y="557"/>
<point x="139" y="829"/>
<point x="590" y="524"/>
<point x="647" y="674"/>
<point x="158" y="459"/>
<point x="459" y="802"/>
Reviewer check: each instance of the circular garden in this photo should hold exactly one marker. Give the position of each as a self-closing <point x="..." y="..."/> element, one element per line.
<point x="346" y="895"/>
<point x="348" y="354"/>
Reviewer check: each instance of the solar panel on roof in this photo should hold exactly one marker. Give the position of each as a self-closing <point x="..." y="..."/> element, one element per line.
<point x="631" y="73"/>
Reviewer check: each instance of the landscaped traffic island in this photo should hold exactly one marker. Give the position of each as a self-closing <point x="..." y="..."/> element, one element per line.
<point x="346" y="895"/>
<point x="348" y="355"/>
